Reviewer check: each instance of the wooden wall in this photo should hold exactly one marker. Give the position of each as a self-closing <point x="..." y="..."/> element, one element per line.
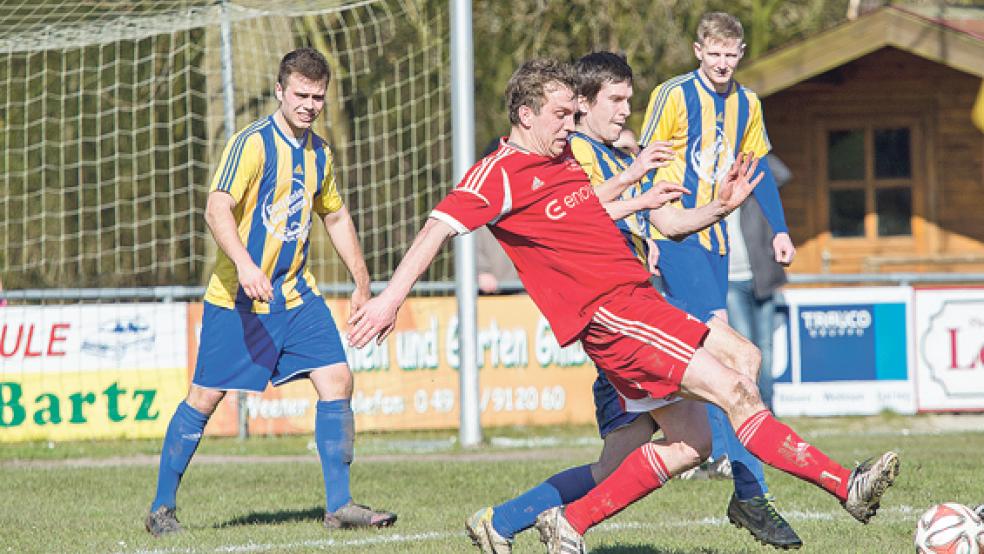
<point x="948" y="188"/>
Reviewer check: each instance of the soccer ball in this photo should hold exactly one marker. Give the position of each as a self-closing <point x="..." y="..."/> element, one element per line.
<point x="949" y="528"/>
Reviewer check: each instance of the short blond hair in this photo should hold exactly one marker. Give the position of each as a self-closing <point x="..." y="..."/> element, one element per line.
<point x="719" y="26"/>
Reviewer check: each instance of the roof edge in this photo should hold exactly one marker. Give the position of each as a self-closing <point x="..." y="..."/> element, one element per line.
<point x="887" y="26"/>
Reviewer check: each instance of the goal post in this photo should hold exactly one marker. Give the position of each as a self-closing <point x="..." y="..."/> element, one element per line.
<point x="114" y="117"/>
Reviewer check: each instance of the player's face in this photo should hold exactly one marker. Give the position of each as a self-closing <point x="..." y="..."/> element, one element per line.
<point x="550" y="127"/>
<point x="605" y="118"/>
<point x="301" y="100"/>
<point x="718" y="60"/>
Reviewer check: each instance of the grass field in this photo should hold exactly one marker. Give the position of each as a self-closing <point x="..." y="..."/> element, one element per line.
<point x="265" y="494"/>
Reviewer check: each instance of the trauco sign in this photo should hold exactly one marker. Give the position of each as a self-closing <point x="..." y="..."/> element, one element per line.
<point x="950" y="349"/>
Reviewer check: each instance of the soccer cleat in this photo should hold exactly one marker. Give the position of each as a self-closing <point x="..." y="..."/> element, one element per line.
<point x="162" y="521"/>
<point x="763" y="521"/>
<point x="484" y="535"/>
<point x="710" y="469"/>
<point x="357" y="515"/>
<point x="867" y="483"/>
<point x="556" y="532"/>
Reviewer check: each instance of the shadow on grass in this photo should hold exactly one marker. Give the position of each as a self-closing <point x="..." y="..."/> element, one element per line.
<point x="280" y="516"/>
<point x="646" y="549"/>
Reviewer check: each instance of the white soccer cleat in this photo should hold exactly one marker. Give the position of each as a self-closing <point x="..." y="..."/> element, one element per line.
<point x="484" y="535"/>
<point x="867" y="483"/>
<point x="556" y="532"/>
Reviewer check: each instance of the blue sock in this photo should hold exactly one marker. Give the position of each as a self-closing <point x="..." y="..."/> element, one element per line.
<point x="184" y="432"/>
<point x="334" y="431"/>
<point x="520" y="513"/>
<point x="718" y="420"/>
<point x="746" y="470"/>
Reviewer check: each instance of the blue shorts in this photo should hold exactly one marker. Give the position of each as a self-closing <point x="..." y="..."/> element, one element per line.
<point x="609" y="411"/>
<point x="240" y="350"/>
<point x="695" y="279"/>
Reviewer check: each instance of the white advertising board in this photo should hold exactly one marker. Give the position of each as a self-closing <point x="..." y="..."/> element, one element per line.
<point x="950" y="345"/>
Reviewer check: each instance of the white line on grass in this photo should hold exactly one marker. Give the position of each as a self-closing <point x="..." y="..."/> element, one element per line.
<point x="894" y="513"/>
<point x="321" y="543"/>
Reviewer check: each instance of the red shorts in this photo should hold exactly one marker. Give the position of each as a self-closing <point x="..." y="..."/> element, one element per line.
<point x="642" y="343"/>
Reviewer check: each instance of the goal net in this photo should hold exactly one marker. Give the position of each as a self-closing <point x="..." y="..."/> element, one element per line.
<point x="112" y="121"/>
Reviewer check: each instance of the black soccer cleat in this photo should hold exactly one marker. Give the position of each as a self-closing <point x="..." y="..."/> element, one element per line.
<point x="763" y="521"/>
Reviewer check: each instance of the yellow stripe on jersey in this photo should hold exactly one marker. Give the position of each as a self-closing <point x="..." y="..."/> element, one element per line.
<point x="278" y="186"/>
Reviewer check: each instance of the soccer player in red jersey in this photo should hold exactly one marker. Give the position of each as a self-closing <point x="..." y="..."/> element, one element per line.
<point x="540" y="205"/>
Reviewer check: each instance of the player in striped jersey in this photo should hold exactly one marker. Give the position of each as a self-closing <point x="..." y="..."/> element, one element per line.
<point x="710" y="118"/>
<point x="540" y="205"/>
<point x="264" y="319"/>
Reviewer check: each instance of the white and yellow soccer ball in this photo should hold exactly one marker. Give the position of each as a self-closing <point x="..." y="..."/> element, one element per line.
<point x="949" y="528"/>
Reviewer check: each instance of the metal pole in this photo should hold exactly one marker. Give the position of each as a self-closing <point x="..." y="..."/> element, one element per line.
<point x="229" y="103"/>
<point x="466" y="278"/>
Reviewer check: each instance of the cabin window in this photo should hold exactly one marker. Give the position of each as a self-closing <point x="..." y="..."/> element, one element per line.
<point x="869" y="174"/>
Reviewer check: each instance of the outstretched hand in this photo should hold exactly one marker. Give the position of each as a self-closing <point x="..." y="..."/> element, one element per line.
<point x="658" y="154"/>
<point x="373" y="320"/>
<point x="740" y="181"/>
<point x="661" y="193"/>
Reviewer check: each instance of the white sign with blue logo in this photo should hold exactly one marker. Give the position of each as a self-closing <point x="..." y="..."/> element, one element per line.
<point x="850" y="352"/>
<point x="950" y="344"/>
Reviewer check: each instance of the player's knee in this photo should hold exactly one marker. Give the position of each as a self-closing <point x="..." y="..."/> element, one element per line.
<point x="334" y="381"/>
<point x="204" y="400"/>
<point x="749" y="360"/>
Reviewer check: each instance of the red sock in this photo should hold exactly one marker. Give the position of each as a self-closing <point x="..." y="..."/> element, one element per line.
<point x="779" y="446"/>
<point x="642" y="472"/>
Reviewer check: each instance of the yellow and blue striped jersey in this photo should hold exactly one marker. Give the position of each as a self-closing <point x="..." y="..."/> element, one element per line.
<point x="708" y="129"/>
<point x="278" y="184"/>
<point x="602" y="162"/>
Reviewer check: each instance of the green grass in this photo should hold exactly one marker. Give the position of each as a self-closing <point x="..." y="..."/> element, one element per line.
<point x="239" y="497"/>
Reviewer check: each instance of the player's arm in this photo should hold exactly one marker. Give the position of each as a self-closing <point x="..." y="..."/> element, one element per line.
<point x="222" y="223"/>
<point x="377" y="317"/>
<point x="239" y="173"/>
<point x="743" y="178"/>
<point x="660" y="194"/>
<point x="768" y="198"/>
<point x="658" y="154"/>
<point x="756" y="140"/>
<point x="341" y="230"/>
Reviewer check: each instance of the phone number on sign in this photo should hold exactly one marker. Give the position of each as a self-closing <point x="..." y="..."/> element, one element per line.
<point x="497" y="399"/>
<point x="523" y="399"/>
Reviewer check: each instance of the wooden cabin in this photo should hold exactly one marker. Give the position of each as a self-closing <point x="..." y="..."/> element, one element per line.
<point x="873" y="118"/>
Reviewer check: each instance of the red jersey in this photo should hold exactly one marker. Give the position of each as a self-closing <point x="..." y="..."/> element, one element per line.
<point x="568" y="252"/>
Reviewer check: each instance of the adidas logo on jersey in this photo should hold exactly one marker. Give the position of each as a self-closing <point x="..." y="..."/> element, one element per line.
<point x="537" y="183"/>
<point x="298" y="169"/>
